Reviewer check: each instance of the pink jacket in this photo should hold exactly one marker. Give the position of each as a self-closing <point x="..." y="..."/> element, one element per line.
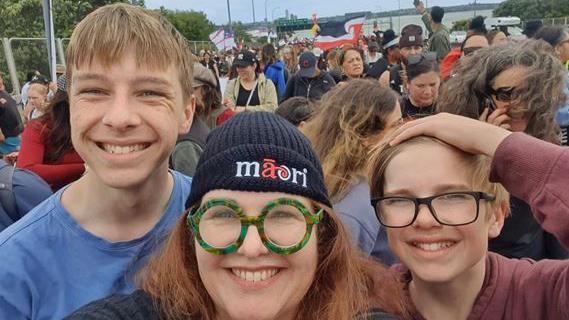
<point x="538" y="173"/>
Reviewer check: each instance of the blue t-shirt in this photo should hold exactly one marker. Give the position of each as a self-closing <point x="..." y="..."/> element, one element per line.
<point x="50" y="266"/>
<point x="362" y="224"/>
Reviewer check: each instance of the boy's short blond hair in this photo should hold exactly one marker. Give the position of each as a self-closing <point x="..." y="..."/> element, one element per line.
<point x="107" y="33"/>
<point x="480" y="166"/>
<point x="38" y="87"/>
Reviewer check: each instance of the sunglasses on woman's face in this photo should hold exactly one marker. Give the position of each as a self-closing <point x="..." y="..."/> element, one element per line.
<point x="503" y="94"/>
<point x="470" y="51"/>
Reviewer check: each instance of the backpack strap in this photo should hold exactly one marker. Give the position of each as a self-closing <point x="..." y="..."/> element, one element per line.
<point x="7" y="199"/>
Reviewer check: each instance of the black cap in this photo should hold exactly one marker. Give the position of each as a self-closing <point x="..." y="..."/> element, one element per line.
<point x="245" y="58"/>
<point x="307" y="62"/>
<point x="411" y="35"/>
<point x="532" y="27"/>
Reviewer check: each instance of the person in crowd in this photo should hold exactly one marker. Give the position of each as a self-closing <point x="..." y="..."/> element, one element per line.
<point x="309" y="81"/>
<point x="351" y="61"/>
<point x="10" y="122"/>
<point x="423" y="84"/>
<point x="441" y="211"/>
<point x="410" y="43"/>
<point x="334" y="68"/>
<point x="531" y="28"/>
<point x="189" y="146"/>
<point x="558" y="38"/>
<point x="37" y="100"/>
<point x="498" y="85"/>
<point x="46" y="145"/>
<point x="128" y="105"/>
<point x="348" y="122"/>
<point x="373" y="53"/>
<point x="297" y="110"/>
<point x="475" y="26"/>
<point x="496" y="37"/>
<point x="473" y="42"/>
<point x="439" y="35"/>
<point x="290" y="59"/>
<point x="390" y="56"/>
<point x="273" y="68"/>
<point x="209" y="63"/>
<point x="30" y="75"/>
<point x="251" y="90"/>
<point x="260" y="240"/>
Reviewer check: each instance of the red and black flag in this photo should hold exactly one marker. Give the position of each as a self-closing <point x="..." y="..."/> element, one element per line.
<point x="333" y="34"/>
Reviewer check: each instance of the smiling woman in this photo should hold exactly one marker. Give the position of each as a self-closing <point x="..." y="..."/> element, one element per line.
<point x="259" y="240"/>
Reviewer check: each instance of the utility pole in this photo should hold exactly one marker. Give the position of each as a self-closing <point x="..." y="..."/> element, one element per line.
<point x="253" y="6"/>
<point x="229" y="15"/>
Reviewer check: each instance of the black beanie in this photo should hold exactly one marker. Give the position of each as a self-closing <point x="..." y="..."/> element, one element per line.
<point x="262" y="152"/>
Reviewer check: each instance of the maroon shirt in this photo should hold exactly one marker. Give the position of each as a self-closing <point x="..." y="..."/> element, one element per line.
<point x="538" y="173"/>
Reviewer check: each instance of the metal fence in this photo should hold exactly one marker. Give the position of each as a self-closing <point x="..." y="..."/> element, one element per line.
<point x="563" y="21"/>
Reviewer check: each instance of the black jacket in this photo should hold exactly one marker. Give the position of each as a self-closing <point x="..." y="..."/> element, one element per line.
<point x="312" y="88"/>
<point x="140" y="306"/>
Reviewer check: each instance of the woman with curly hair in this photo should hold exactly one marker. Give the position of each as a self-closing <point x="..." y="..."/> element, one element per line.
<point x="259" y="241"/>
<point x="349" y="121"/>
<point x="519" y="88"/>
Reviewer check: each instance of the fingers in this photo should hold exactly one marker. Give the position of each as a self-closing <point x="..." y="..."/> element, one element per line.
<point x="484" y="115"/>
<point x="409" y="130"/>
<point x="498" y="117"/>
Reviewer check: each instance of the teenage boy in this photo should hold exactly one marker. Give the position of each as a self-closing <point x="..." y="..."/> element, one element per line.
<point x="130" y="95"/>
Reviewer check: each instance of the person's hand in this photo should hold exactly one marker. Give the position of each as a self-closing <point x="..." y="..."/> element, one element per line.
<point x="229" y="104"/>
<point x="11" y="157"/>
<point x="53" y="86"/>
<point x="467" y="134"/>
<point x="498" y="117"/>
<point x="28" y="110"/>
<point x="239" y="109"/>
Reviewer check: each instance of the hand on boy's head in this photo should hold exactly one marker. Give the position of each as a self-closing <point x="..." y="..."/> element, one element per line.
<point x="470" y="135"/>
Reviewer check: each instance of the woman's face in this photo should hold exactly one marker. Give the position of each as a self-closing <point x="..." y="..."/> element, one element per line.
<point x="424" y="89"/>
<point x="510" y="79"/>
<point x="254" y="282"/>
<point x="562" y="49"/>
<point x="499" y="39"/>
<point x="247" y="72"/>
<point x="353" y="65"/>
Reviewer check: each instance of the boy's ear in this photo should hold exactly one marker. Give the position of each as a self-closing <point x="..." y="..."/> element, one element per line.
<point x="188" y="115"/>
<point x="497" y="219"/>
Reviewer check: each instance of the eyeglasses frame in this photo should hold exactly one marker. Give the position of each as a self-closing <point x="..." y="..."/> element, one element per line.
<point x="478" y="195"/>
<point x="195" y="214"/>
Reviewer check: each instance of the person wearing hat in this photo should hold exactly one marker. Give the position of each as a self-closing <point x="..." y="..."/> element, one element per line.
<point x="410" y="43"/>
<point x="259" y="240"/>
<point x="251" y="90"/>
<point x="372" y="54"/>
<point x="309" y="81"/>
<point x="439" y="35"/>
<point x="189" y="146"/>
<point x="391" y="55"/>
<point x="532" y="27"/>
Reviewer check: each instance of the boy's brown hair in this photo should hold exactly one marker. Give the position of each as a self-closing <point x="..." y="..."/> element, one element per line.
<point x="108" y="32"/>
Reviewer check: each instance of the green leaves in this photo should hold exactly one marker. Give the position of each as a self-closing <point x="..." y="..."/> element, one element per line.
<point x="533" y="9"/>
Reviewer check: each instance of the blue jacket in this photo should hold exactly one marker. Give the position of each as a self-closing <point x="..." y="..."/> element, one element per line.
<point x="275" y="72"/>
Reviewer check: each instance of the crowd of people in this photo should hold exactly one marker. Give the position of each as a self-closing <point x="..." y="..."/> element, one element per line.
<point x="398" y="177"/>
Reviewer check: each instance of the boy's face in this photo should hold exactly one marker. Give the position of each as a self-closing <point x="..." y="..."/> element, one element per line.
<point x="433" y="252"/>
<point x="125" y="119"/>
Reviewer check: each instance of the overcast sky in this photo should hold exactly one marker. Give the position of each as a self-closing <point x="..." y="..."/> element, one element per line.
<point x="241" y="10"/>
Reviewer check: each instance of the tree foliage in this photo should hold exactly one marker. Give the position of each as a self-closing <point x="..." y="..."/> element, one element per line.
<point x="533" y="9"/>
<point x="194" y="25"/>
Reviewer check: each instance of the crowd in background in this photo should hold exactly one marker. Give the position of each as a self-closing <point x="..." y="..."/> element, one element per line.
<point x="480" y="133"/>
